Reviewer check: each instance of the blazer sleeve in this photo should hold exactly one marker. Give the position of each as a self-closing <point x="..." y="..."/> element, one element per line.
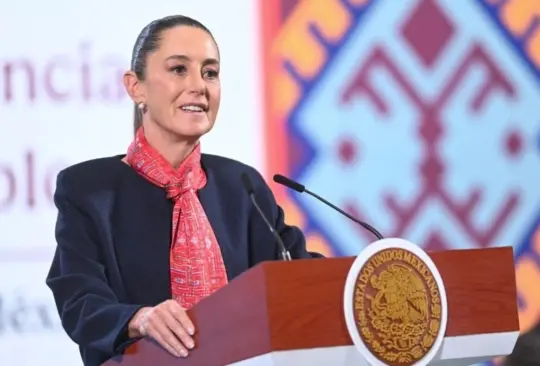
<point x="293" y="238"/>
<point x="89" y="310"/>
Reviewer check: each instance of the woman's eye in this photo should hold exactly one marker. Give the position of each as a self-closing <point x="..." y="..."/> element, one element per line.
<point x="212" y="74"/>
<point x="179" y="69"/>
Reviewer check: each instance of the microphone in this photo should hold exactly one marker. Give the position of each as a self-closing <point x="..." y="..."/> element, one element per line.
<point x="287" y="182"/>
<point x="248" y="185"/>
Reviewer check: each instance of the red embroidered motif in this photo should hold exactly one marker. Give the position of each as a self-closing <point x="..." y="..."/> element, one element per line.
<point x="196" y="265"/>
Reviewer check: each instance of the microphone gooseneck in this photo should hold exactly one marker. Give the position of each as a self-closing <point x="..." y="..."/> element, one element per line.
<point x="287" y="182"/>
<point x="248" y="186"/>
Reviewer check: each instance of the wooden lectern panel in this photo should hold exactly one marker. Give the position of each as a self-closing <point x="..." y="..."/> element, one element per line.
<point x="481" y="290"/>
<point x="299" y="304"/>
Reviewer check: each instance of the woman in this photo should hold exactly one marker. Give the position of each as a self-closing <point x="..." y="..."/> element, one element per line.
<point x="143" y="237"/>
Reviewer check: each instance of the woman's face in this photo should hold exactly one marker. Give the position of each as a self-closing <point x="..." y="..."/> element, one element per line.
<point x="181" y="89"/>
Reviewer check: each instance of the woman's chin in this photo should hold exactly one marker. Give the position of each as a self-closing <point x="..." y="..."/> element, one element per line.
<point x="193" y="130"/>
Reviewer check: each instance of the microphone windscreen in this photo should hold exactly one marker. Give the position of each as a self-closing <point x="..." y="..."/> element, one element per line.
<point x="278" y="178"/>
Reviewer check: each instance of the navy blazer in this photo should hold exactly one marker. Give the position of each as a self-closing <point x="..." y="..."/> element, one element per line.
<point x="113" y="237"/>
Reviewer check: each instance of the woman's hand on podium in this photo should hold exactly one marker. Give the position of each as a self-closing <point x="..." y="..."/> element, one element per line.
<point x="168" y="324"/>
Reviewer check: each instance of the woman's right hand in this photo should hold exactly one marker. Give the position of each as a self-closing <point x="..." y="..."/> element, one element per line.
<point x="168" y="324"/>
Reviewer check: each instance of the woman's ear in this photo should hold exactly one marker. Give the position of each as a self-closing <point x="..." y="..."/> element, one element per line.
<point x="133" y="87"/>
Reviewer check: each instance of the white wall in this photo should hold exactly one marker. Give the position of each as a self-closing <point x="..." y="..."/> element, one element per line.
<point x="73" y="117"/>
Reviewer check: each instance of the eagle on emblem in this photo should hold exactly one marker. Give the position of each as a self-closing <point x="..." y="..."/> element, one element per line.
<point x="401" y="295"/>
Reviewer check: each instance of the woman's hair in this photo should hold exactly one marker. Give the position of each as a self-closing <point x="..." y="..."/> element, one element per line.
<point x="148" y="42"/>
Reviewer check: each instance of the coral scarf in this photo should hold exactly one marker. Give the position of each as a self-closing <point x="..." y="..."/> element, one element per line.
<point x="196" y="265"/>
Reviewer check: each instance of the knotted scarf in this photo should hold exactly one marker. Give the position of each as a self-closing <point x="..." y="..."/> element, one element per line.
<point x="196" y="264"/>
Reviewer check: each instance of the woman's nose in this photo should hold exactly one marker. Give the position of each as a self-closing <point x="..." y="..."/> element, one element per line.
<point x="195" y="83"/>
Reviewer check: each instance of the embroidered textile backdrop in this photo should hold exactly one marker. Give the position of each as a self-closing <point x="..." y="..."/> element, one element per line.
<point x="429" y="135"/>
<point x="420" y="117"/>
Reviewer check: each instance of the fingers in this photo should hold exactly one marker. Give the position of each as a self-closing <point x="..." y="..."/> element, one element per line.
<point x="161" y="333"/>
<point x="181" y="316"/>
<point x="178" y="330"/>
<point x="171" y="327"/>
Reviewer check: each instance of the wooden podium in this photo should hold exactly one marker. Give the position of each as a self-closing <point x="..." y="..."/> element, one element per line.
<point x="291" y="313"/>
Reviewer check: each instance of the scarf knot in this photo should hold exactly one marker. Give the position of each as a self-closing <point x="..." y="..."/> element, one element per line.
<point x="191" y="181"/>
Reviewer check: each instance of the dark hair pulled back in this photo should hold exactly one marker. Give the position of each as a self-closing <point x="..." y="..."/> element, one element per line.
<point x="148" y="42"/>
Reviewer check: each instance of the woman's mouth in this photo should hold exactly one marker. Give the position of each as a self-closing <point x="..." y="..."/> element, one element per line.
<point x="194" y="108"/>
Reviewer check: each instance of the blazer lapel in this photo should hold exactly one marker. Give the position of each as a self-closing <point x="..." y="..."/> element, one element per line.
<point x="142" y="233"/>
<point x="212" y="205"/>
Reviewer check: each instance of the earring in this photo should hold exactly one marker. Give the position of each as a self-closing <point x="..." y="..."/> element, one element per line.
<point x="142" y="106"/>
